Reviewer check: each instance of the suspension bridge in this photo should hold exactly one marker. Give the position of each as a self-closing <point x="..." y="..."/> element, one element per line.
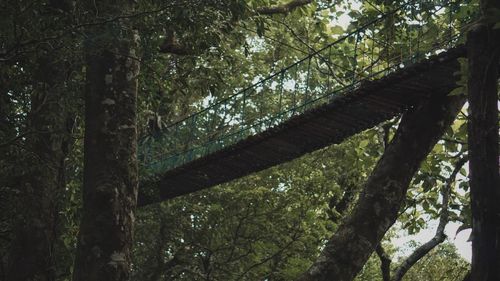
<point x="369" y="75"/>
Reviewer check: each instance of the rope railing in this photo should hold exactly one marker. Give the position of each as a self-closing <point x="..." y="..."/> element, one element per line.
<point x="405" y="35"/>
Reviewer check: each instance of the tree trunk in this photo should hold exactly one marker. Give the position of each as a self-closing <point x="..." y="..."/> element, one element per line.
<point x="483" y="44"/>
<point x="110" y="160"/>
<point x="31" y="255"/>
<point x="384" y="192"/>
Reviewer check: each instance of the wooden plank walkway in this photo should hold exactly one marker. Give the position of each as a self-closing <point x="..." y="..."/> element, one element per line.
<point x="363" y="108"/>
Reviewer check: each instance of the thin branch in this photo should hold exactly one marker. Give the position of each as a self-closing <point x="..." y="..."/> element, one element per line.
<point x="374" y="6"/>
<point x="294" y="238"/>
<point x="385" y="263"/>
<point x="440" y="236"/>
<point x="456" y="141"/>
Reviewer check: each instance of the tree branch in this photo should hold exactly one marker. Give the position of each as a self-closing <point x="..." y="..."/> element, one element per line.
<point x="283" y="9"/>
<point x="172" y="46"/>
<point x="385" y="263"/>
<point x="16" y="49"/>
<point x="294" y="238"/>
<point x="440" y="236"/>
<point x="384" y="192"/>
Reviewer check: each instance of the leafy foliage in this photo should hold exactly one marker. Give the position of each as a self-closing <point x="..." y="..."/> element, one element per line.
<point x="266" y="226"/>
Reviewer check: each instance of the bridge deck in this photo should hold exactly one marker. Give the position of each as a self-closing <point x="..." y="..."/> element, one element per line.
<point x="364" y="107"/>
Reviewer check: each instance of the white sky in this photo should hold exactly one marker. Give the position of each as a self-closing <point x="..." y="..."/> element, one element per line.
<point x="345" y="19"/>
<point x="460" y="241"/>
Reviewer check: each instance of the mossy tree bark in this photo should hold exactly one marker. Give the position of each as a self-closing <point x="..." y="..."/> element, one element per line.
<point x="384" y="192"/>
<point x="110" y="160"/>
<point x="483" y="44"/>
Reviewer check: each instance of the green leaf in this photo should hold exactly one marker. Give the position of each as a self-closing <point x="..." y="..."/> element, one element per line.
<point x="457" y="91"/>
<point x="363" y="143"/>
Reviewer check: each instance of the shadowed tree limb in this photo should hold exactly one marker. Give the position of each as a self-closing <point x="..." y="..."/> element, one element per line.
<point x="283" y="9"/>
<point x="171" y="45"/>
<point x="385" y="263"/>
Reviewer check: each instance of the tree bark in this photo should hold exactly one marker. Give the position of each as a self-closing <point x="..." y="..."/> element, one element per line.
<point x="483" y="44"/>
<point x="110" y="160"/>
<point x="31" y="255"/>
<point x="384" y="192"/>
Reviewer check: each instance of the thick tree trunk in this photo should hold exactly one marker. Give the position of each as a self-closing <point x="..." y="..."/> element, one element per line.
<point x="483" y="44"/>
<point x="384" y="192"/>
<point x="31" y="254"/>
<point x="110" y="171"/>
